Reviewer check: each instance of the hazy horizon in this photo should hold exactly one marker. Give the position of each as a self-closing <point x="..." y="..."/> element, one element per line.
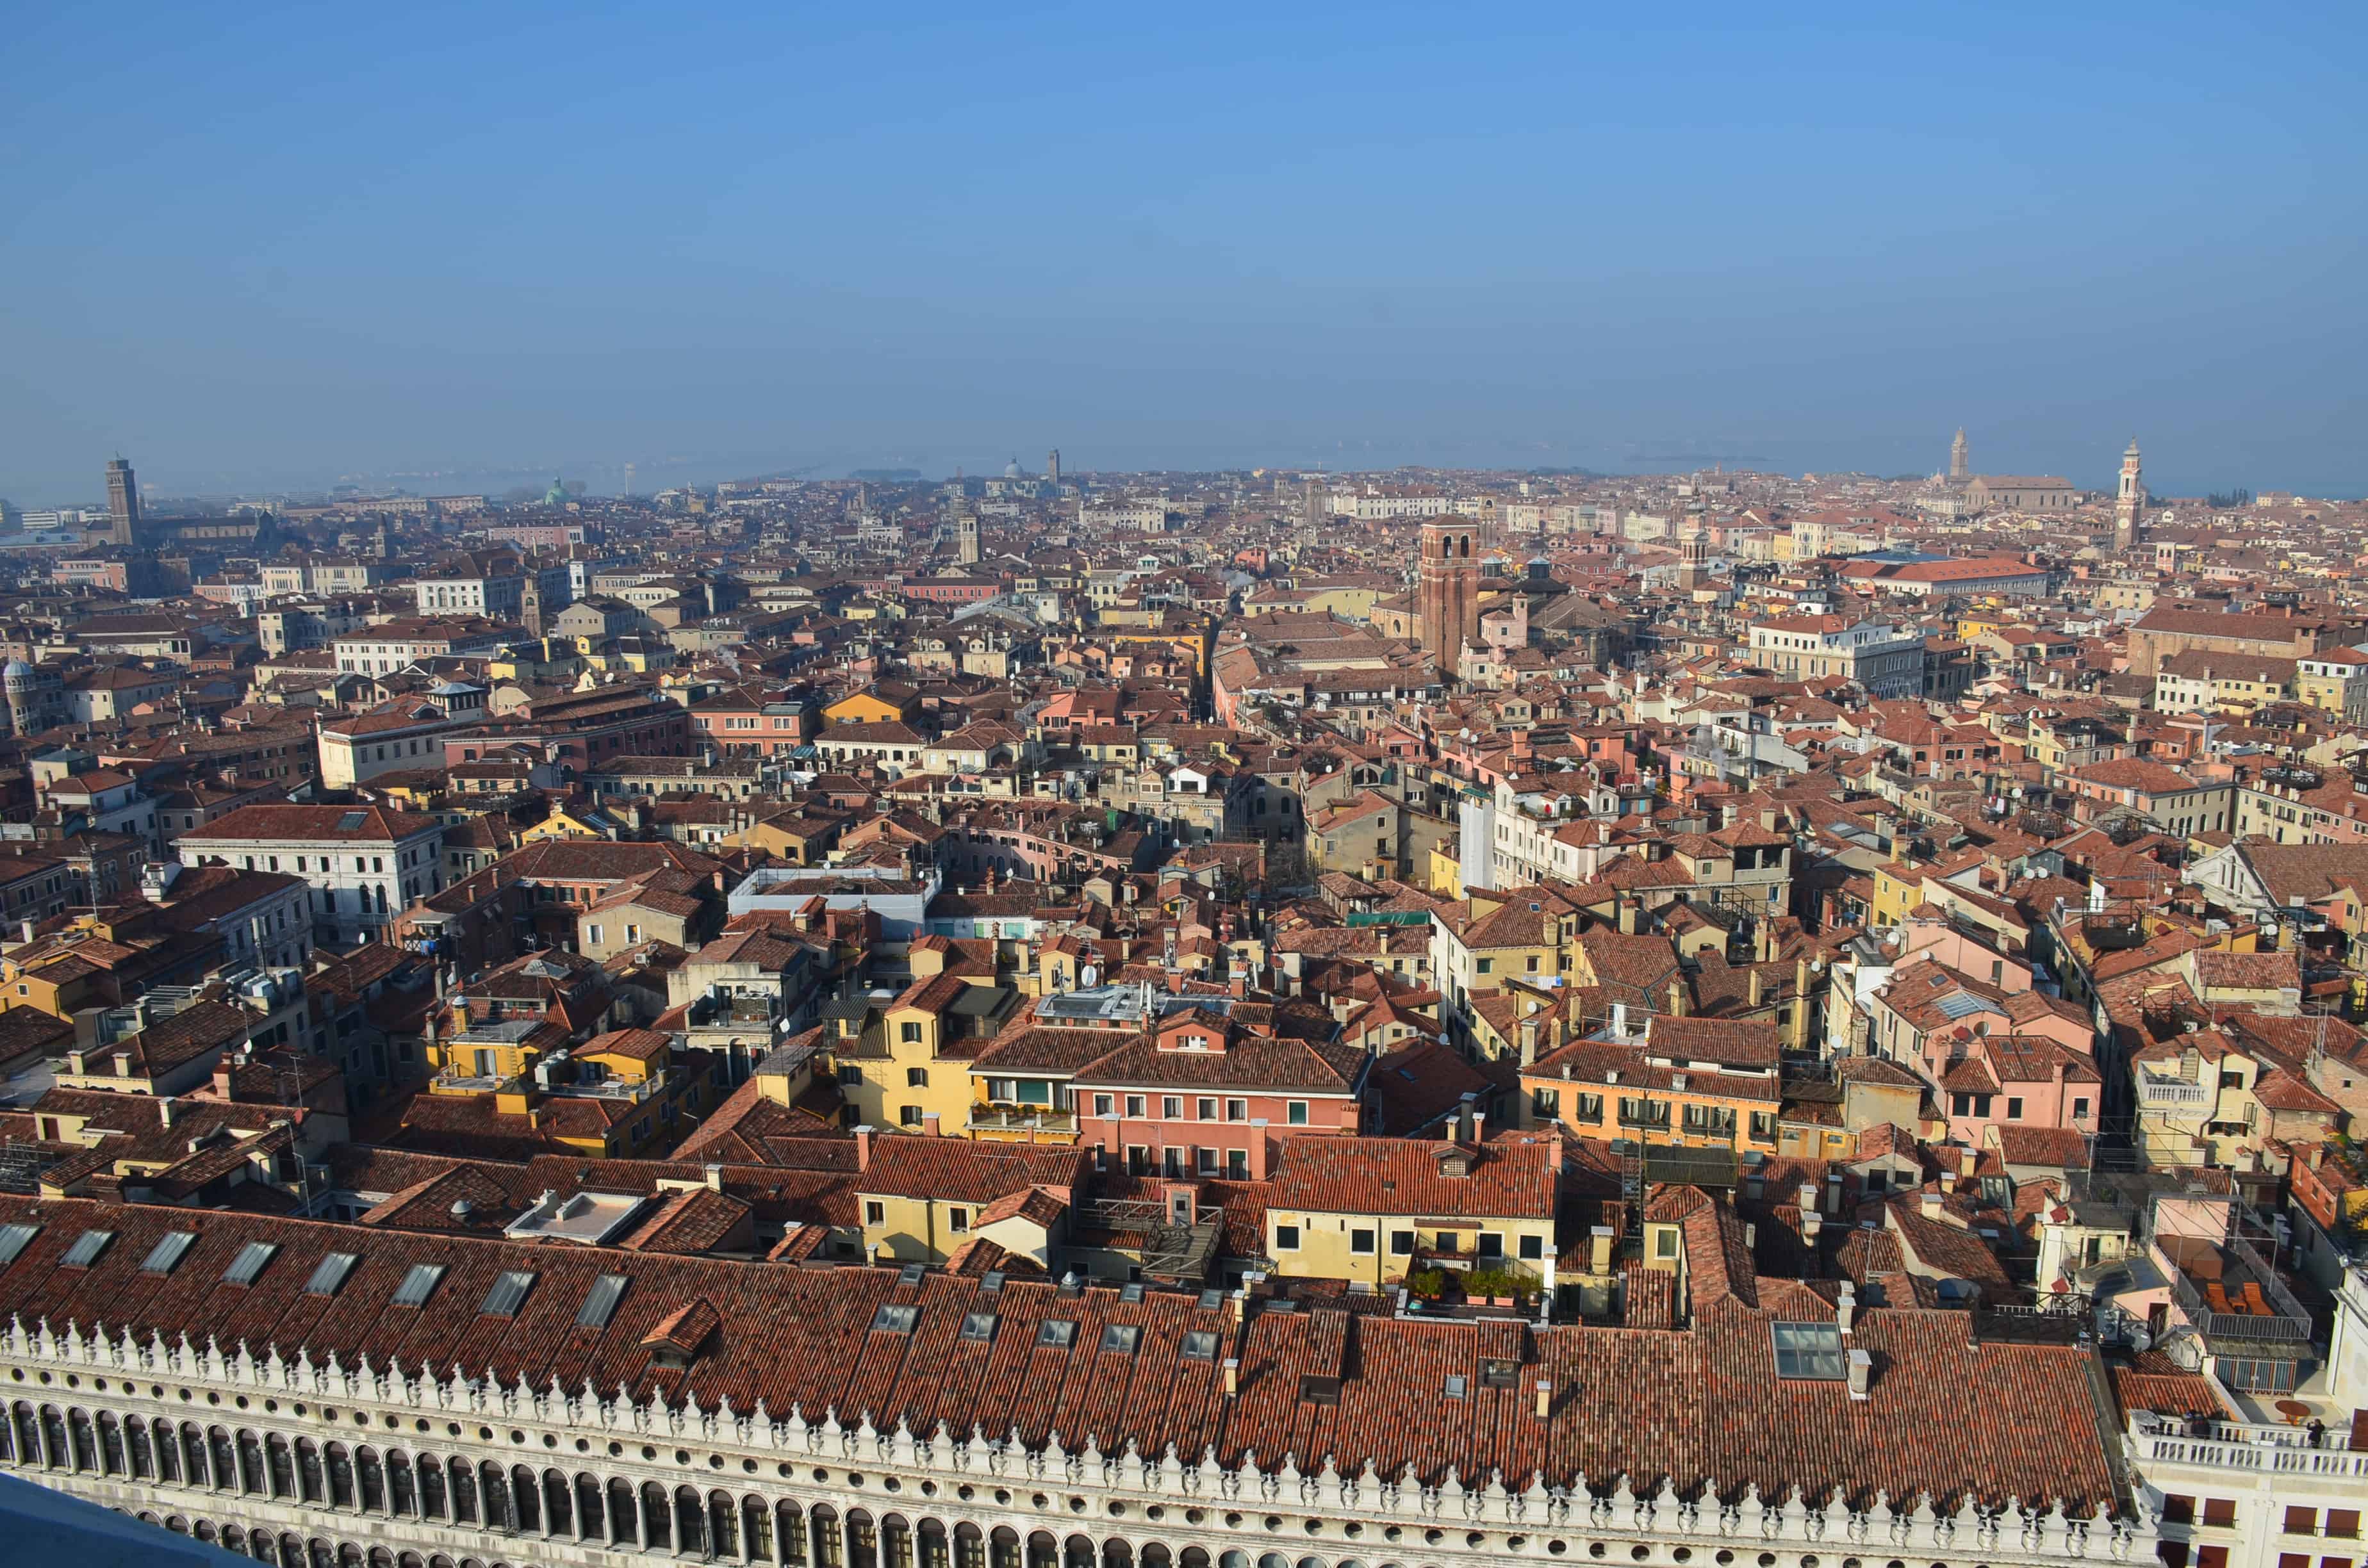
<point x="259" y="254"/>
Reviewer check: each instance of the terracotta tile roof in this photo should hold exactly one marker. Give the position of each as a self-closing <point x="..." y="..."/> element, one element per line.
<point x="1506" y="1178"/>
<point x="1701" y="1405"/>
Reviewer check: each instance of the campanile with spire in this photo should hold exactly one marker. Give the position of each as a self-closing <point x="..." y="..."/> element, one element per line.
<point x="2130" y="500"/>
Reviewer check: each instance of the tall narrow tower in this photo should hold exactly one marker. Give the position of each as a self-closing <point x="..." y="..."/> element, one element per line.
<point x="1447" y="590"/>
<point x="1052" y="466"/>
<point x="1959" y="462"/>
<point x="123" y="503"/>
<point x="2131" y="501"/>
<point x="966" y="538"/>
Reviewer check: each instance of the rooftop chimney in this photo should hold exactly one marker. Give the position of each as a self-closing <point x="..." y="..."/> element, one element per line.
<point x="1233" y="1376"/>
<point x="1862" y="1372"/>
<point x="1545" y="1399"/>
<point x="1678" y="996"/>
<point x="1932" y="1204"/>
<point x="1846" y="1311"/>
<point x="1968" y="1159"/>
<point x="714" y="1177"/>
<point x="167" y="1108"/>
<point x="863" y="1147"/>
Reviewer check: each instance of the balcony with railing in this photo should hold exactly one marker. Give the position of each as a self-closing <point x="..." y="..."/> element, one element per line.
<point x="2233" y="1297"/>
<point x="2158" y="1093"/>
<point x="2244" y="1446"/>
<point x="1023" y="1120"/>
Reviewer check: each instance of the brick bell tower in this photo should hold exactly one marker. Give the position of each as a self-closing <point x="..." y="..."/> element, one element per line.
<point x="1448" y="589"/>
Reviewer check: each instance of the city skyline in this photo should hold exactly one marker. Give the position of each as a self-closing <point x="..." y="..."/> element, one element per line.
<point x="1335" y="236"/>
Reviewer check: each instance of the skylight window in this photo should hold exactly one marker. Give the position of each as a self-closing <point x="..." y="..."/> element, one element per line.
<point x="600" y="1302"/>
<point x="508" y="1292"/>
<point x="1809" y="1350"/>
<point x="248" y="1264"/>
<point x="14" y="1240"/>
<point x="978" y="1328"/>
<point x="331" y="1274"/>
<point x="418" y="1285"/>
<point x="1056" y="1333"/>
<point x="86" y="1248"/>
<point x="1200" y="1346"/>
<point x="352" y="822"/>
<point x="1121" y="1338"/>
<point x="912" y="1274"/>
<point x="1457" y="1385"/>
<point x="896" y="1318"/>
<point x="166" y="1255"/>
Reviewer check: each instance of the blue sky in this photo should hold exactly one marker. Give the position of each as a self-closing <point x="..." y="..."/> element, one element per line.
<point x="276" y="246"/>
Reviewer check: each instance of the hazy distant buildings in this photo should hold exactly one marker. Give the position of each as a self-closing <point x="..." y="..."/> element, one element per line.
<point x="2021" y="492"/>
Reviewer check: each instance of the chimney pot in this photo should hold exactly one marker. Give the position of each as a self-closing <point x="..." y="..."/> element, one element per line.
<point x="1861" y="1373"/>
<point x="863" y="1147"/>
<point x="1545" y="1399"/>
<point x="1233" y="1376"/>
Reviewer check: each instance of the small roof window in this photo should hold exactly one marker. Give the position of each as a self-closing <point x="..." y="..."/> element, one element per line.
<point x="1056" y="1333"/>
<point x="166" y="1255"/>
<point x="509" y="1290"/>
<point x="331" y="1274"/>
<point x="1121" y="1338"/>
<point x="418" y="1285"/>
<point x="1200" y="1344"/>
<point x="1457" y="1386"/>
<point x="896" y="1318"/>
<point x="1809" y="1350"/>
<point x="978" y="1328"/>
<point x="86" y="1248"/>
<point x="600" y="1302"/>
<point x="245" y="1268"/>
<point x="14" y="1240"/>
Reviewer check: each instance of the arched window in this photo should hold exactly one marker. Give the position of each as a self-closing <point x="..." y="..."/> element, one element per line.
<point x="895" y="1542"/>
<point x="224" y="1454"/>
<point x="204" y="1531"/>
<point x="591" y="1519"/>
<point x="689" y="1520"/>
<point x="723" y="1526"/>
<point x="657" y="1518"/>
<point x="309" y="1477"/>
<point x="341" y="1476"/>
<point x="110" y="1443"/>
<point x="1195" y="1558"/>
<point x="135" y="1448"/>
<point x="829" y="1546"/>
<point x="1043" y="1552"/>
<point x="462" y="1489"/>
<point x="349" y="1555"/>
<point x="525" y="1498"/>
<point x="756" y="1529"/>
<point x="408" y="1560"/>
<point x="789" y="1530"/>
<point x="402" y="1492"/>
<point x="1117" y="1553"/>
<point x="176" y="1524"/>
<point x="251" y="1473"/>
<point x="1156" y="1556"/>
<point x="624" y="1514"/>
<point x="558" y="1507"/>
<point x="496" y="1500"/>
<point x="379" y="1557"/>
<point x="320" y="1553"/>
<point x="282" y="1465"/>
<point x="53" y="1433"/>
<point x="369" y="1475"/>
<point x="934" y="1550"/>
<point x="862" y="1540"/>
<point x="291" y="1553"/>
<point x="970" y="1546"/>
<point x="233" y="1539"/>
<point x="193" y="1455"/>
<point x="86" y="1440"/>
<point x="430" y="1472"/>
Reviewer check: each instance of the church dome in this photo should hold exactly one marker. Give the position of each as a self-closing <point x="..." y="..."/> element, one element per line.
<point x="17" y="671"/>
<point x="1011" y="469"/>
<point x="557" y="494"/>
